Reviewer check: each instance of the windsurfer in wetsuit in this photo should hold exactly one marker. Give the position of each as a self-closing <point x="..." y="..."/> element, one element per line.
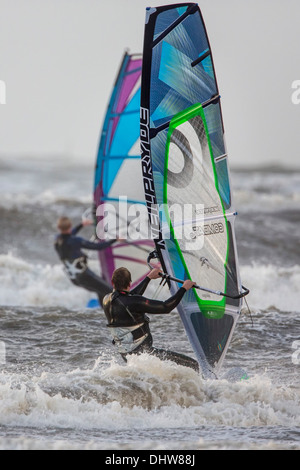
<point x="126" y="310"/>
<point x="69" y="248"/>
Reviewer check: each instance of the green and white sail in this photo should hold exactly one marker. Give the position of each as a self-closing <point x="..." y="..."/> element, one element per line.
<point x="186" y="177"/>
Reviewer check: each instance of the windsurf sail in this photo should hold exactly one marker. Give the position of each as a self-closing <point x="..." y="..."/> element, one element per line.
<point x="118" y="185"/>
<point x="186" y="177"/>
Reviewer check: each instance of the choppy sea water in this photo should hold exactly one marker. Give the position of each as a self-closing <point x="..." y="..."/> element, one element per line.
<point x="61" y="385"/>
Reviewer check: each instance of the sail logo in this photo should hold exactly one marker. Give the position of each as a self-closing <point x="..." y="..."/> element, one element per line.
<point x="208" y="229"/>
<point x="148" y="176"/>
<point x="2" y="92"/>
<point x="209" y="210"/>
<point x="296" y="94"/>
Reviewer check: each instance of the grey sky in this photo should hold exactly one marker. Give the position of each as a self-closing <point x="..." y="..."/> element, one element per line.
<point x="59" y="59"/>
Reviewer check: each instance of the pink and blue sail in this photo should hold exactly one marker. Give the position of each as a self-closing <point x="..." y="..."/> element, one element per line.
<point x="118" y="177"/>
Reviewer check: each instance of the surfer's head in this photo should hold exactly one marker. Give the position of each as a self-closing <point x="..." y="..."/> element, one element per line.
<point x="121" y="279"/>
<point x="64" y="224"/>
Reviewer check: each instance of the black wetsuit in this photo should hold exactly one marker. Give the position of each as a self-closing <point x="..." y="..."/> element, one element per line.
<point x="69" y="248"/>
<point x="129" y="324"/>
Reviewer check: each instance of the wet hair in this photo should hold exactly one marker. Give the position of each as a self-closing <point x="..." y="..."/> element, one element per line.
<point x="121" y="278"/>
<point x="64" y="224"/>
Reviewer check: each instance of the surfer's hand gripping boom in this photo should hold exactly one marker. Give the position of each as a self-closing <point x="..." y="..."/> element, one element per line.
<point x="168" y="277"/>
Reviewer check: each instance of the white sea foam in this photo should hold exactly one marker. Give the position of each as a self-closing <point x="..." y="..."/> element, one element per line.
<point x="44" y="182"/>
<point x="266" y="191"/>
<point x="27" y="284"/>
<point x="272" y="286"/>
<point x="48" y="197"/>
<point x="144" y="394"/>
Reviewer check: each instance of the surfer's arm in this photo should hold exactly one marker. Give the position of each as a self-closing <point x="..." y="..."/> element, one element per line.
<point x="76" y="229"/>
<point x="144" y="305"/>
<point x="141" y="287"/>
<point x="95" y="246"/>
